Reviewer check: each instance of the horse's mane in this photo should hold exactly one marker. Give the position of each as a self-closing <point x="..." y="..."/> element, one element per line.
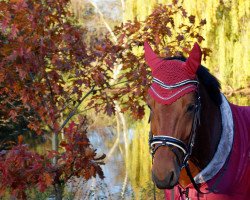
<point x="211" y="83"/>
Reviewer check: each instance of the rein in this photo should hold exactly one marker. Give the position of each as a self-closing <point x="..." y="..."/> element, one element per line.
<point x="155" y="142"/>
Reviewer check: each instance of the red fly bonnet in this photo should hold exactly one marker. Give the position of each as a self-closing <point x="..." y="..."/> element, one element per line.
<point x="172" y="78"/>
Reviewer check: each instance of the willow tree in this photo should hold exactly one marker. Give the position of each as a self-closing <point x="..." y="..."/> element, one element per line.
<point x="226" y="34"/>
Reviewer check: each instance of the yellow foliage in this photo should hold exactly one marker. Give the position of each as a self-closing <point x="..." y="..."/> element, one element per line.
<point x="226" y="33"/>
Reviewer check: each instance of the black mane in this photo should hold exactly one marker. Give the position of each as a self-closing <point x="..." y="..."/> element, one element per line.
<point x="211" y="83"/>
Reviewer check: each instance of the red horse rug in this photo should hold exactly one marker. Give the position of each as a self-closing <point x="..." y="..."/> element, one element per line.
<point x="227" y="176"/>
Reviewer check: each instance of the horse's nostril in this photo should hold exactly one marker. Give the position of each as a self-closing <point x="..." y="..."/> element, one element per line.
<point x="171" y="178"/>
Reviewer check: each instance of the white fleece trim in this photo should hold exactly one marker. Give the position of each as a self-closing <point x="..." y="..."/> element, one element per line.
<point x="224" y="146"/>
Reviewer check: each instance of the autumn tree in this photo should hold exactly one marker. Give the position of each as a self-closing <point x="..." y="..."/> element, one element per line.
<point x="46" y="72"/>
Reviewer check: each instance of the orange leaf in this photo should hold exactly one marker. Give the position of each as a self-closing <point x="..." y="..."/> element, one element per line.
<point x="48" y="179"/>
<point x="20" y="139"/>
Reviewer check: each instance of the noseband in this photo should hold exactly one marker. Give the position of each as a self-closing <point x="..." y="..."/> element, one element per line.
<point x="155" y="142"/>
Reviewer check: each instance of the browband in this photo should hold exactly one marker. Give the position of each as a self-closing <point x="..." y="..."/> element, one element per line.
<point x="166" y="86"/>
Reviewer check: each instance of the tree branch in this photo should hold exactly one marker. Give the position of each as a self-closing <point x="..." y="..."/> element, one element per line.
<point x="104" y="21"/>
<point x="72" y="113"/>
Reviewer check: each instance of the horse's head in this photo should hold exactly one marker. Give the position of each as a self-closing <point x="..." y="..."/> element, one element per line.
<point x="174" y="103"/>
<point x="176" y="121"/>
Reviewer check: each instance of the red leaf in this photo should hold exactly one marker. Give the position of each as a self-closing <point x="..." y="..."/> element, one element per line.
<point x="180" y="38"/>
<point x="200" y="39"/>
<point x="13" y="114"/>
<point x="191" y="19"/>
<point x="14" y="31"/>
<point x="203" y="22"/>
<point x="4" y="24"/>
<point x="109" y="109"/>
<point x="71" y="126"/>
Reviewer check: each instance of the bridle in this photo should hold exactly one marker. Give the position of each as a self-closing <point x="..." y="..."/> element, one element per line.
<point x="157" y="141"/>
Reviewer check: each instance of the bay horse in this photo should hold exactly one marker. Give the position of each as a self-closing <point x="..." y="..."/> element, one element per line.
<point x="200" y="143"/>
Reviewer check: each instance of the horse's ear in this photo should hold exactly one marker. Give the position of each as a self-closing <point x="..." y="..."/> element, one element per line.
<point x="151" y="57"/>
<point x="194" y="60"/>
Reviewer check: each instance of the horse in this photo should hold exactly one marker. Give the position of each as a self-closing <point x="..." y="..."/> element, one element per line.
<point x="200" y="142"/>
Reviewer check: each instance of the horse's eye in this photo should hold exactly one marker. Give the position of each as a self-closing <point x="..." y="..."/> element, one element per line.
<point x="190" y="108"/>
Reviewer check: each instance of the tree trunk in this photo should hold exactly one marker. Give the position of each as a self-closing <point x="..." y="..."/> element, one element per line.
<point x="55" y="142"/>
<point x="58" y="187"/>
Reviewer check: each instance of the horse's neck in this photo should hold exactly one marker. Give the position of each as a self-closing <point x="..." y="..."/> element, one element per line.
<point x="207" y="138"/>
<point x="208" y="133"/>
<point x="184" y="179"/>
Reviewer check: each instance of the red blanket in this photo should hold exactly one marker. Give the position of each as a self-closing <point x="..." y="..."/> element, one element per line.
<point x="233" y="180"/>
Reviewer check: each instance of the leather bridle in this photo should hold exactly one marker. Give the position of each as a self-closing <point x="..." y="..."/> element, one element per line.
<point x="157" y="141"/>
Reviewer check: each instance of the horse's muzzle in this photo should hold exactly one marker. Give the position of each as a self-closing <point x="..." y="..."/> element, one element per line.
<point x="168" y="183"/>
